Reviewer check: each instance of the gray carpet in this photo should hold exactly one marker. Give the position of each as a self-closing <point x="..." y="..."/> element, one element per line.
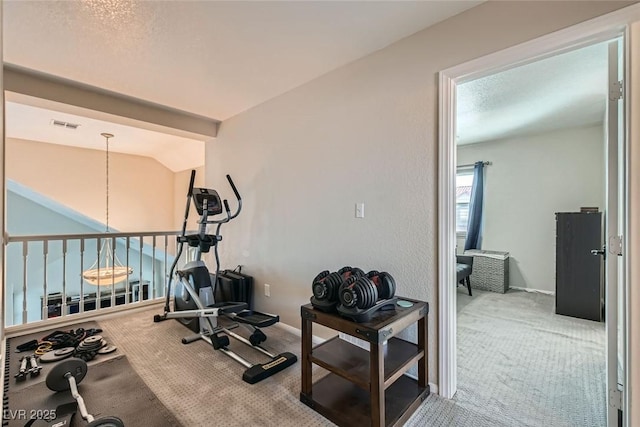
<point x="202" y="387"/>
<point x="520" y="363"/>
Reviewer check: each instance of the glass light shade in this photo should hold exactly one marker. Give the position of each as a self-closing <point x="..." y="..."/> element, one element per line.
<point x="106" y="276"/>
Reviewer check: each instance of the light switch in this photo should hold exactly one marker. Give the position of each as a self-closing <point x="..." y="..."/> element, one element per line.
<point x="360" y="210"/>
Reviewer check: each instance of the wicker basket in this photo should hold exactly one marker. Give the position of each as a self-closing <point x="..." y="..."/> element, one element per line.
<point x="490" y="270"/>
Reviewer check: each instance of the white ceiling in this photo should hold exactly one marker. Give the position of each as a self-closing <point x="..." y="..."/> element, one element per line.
<point x="217" y="59"/>
<point x="563" y="91"/>
<point x="35" y="124"/>
<point x="211" y="58"/>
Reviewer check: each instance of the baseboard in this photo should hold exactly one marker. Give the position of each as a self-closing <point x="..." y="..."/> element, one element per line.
<point x="433" y="388"/>
<point x="297" y="332"/>
<point x="540" y="291"/>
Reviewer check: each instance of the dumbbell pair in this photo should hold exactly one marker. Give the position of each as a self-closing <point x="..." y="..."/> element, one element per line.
<point x="351" y="288"/>
<point x="28" y="366"/>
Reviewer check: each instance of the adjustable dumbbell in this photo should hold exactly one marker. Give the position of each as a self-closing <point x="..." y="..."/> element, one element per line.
<point x="66" y="375"/>
<point x="363" y="292"/>
<point x="384" y="282"/>
<point x="347" y="272"/>
<point x="325" y="286"/>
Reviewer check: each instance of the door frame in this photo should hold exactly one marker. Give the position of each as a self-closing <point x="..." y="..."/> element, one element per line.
<point x="599" y="29"/>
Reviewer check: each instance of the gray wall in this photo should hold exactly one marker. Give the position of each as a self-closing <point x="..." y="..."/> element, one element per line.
<point x="531" y="179"/>
<point x="366" y="132"/>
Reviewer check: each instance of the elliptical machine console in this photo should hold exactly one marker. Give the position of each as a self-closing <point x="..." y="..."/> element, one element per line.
<point x="194" y="302"/>
<point x="207" y="199"/>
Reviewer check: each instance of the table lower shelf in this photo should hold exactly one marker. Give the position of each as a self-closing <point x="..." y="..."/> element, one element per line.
<point x="346" y="404"/>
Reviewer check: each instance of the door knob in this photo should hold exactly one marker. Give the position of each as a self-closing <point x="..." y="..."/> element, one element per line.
<point x="596" y="252"/>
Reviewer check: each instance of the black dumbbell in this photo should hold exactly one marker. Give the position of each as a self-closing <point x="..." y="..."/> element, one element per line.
<point x="363" y="292"/>
<point x="66" y="375"/>
<point x="358" y="292"/>
<point x="347" y="272"/>
<point x="384" y="282"/>
<point x="325" y="286"/>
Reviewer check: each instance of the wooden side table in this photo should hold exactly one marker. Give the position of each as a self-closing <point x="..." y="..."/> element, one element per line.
<point x="366" y="387"/>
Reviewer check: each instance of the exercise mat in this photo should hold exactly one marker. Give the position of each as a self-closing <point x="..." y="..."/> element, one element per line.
<point x="13" y="357"/>
<point x="110" y="387"/>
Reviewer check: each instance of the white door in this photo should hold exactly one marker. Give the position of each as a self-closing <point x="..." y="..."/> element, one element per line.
<point x="614" y="224"/>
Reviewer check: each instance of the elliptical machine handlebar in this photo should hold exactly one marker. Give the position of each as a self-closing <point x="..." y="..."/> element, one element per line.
<point x="226" y="206"/>
<point x="233" y="187"/>
<point x="191" y="182"/>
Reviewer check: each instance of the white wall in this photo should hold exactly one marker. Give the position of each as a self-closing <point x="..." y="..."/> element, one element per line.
<point x="366" y="132"/>
<point x="530" y="179"/>
<point x="141" y="194"/>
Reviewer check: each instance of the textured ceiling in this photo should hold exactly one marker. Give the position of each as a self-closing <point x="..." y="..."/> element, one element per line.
<point x="562" y="91"/>
<point x="211" y="58"/>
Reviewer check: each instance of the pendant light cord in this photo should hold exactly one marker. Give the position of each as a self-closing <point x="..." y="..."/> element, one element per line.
<point x="107" y="174"/>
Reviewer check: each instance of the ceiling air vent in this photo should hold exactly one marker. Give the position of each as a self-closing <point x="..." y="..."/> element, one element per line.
<point x="64" y="124"/>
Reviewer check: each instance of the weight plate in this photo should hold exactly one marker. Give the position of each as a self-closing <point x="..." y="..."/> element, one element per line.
<point x="56" y="378"/>
<point x="344" y="269"/>
<point x="393" y="286"/>
<point x="63" y="351"/>
<point x="92" y="339"/>
<point x="355" y="271"/>
<point x="320" y="276"/>
<point x="107" y="421"/>
<point x="51" y="356"/>
<point x="91" y="345"/>
<point x="373" y="292"/>
<point x="385" y="285"/>
<point x="107" y="349"/>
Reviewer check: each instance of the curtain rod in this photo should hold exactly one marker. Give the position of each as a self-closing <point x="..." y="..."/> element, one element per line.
<point x="470" y="165"/>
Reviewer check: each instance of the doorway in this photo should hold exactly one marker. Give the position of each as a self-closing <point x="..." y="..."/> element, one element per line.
<point x="449" y="80"/>
<point x="538" y="132"/>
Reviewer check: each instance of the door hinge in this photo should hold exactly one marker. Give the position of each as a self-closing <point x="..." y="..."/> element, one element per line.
<point x="615" y="399"/>
<point x="615" y="245"/>
<point x="616" y="90"/>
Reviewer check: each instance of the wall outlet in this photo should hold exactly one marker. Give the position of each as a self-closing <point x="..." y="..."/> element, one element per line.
<point x="267" y="290"/>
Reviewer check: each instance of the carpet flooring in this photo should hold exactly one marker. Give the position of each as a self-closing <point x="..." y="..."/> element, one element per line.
<point x="520" y="363"/>
<point x="202" y="387"/>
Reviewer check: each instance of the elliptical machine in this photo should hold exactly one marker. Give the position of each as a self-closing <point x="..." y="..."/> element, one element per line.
<point x="194" y="301"/>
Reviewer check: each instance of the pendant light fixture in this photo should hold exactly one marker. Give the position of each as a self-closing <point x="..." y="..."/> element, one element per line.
<point x="107" y="269"/>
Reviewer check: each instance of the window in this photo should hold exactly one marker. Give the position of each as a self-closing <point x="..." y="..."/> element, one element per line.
<point x="464" y="182"/>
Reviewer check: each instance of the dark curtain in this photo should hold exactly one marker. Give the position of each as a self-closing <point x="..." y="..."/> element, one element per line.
<point x="475" y="209"/>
